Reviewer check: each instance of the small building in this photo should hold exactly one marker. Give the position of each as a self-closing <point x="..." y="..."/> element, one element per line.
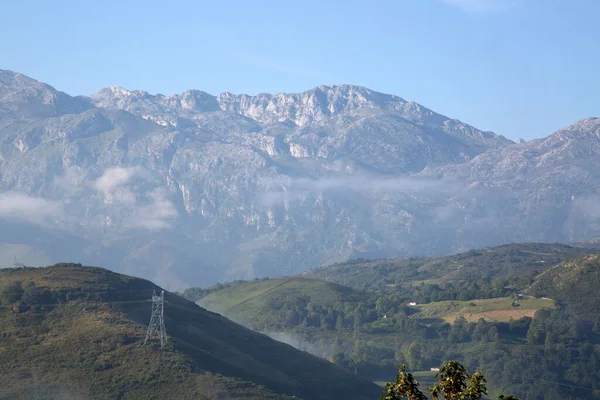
<point x="412" y="303"/>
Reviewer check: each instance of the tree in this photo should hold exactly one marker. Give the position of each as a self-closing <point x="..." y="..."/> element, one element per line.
<point x="405" y="387"/>
<point x="455" y="383"/>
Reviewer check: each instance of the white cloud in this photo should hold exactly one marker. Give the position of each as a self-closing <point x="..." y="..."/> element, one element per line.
<point x="480" y="6"/>
<point x="113" y="178"/>
<point x="111" y="185"/>
<point x="156" y="215"/>
<point x="359" y="183"/>
<point x="277" y="190"/>
<point x="33" y="209"/>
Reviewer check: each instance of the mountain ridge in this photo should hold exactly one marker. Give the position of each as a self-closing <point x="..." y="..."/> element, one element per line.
<point x="146" y="176"/>
<point x="316" y="105"/>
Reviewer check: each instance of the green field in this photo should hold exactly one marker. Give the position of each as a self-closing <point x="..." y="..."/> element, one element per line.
<point x="250" y="298"/>
<point x="499" y="309"/>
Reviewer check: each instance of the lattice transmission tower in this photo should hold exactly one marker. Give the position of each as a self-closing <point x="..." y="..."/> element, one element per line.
<point x="157" y="320"/>
<point x="18" y="264"/>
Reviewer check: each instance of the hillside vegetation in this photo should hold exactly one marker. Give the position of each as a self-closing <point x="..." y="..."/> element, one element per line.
<point x="575" y="284"/>
<point x="512" y="265"/>
<point x="253" y="303"/>
<point x="69" y="331"/>
<point x="516" y="317"/>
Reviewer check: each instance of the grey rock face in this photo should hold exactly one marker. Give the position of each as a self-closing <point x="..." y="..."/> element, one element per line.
<point x="195" y="188"/>
<point x="21" y="96"/>
<point x="546" y="189"/>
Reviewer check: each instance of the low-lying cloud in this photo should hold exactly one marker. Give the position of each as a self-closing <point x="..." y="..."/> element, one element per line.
<point x="155" y="215"/>
<point x="153" y="212"/>
<point x="112" y="178"/>
<point x="119" y="191"/>
<point x="30" y="208"/>
<point x="113" y="185"/>
<point x="277" y="190"/>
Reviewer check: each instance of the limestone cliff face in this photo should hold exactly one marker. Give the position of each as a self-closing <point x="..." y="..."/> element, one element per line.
<point x="195" y="188"/>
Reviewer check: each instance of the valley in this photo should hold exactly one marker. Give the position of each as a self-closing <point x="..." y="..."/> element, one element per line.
<point x="500" y="310"/>
<point x="204" y="200"/>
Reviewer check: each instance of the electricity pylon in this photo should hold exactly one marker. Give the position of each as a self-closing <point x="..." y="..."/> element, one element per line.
<point x="157" y="320"/>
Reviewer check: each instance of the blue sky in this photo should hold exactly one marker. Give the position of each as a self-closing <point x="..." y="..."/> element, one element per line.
<point x="521" y="68"/>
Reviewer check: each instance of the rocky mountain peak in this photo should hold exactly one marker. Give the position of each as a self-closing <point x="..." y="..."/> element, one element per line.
<point x="10" y="79"/>
<point x="348" y="118"/>
<point x="118" y="91"/>
<point x="586" y="127"/>
<point x="21" y="95"/>
<point x="196" y="100"/>
<point x="243" y="185"/>
<point x="307" y="107"/>
<point x="140" y="102"/>
<point x="316" y="106"/>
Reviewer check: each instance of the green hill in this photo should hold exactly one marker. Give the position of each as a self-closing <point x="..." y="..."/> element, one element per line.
<point x="575" y="284"/>
<point x="261" y="303"/>
<point x="515" y="263"/>
<point x="69" y="331"/>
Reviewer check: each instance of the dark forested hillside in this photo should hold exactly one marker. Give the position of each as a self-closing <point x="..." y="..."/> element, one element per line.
<point x="69" y="331"/>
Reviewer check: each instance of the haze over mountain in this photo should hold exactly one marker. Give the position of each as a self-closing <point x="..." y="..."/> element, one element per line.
<point x="195" y="188"/>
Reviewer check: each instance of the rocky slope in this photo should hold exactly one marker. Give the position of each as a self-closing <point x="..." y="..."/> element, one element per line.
<point x="328" y="123"/>
<point x="195" y="188"/>
<point x="545" y="189"/>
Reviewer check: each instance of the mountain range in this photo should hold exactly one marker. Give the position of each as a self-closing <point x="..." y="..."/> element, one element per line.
<point x="195" y="188"/>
